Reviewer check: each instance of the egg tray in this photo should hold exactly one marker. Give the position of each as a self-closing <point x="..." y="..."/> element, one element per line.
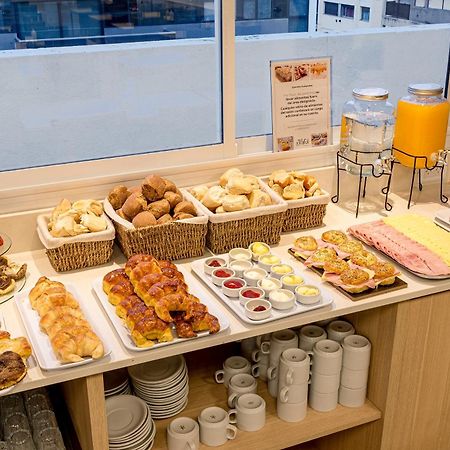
<point x="235" y="305"/>
<point x="398" y="283"/>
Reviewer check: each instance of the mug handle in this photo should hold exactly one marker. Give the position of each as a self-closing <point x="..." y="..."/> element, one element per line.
<point x="271" y="373"/>
<point x="265" y="347"/>
<point x="190" y="445"/>
<point x="284" y="394"/>
<point x="232" y="399"/>
<point x="255" y="370"/>
<point x="289" y="377"/>
<point x="219" y="376"/>
<point x="231" y="431"/>
<point x="259" y="341"/>
<point x="256" y="355"/>
<point x="232" y="416"/>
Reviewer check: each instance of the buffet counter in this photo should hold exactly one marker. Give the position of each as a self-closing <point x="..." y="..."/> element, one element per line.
<point x="402" y="332"/>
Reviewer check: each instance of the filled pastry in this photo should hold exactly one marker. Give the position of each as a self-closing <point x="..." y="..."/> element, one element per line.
<point x="294" y="185"/>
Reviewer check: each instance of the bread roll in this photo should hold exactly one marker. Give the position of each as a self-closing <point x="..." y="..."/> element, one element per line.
<point x="278" y="189"/>
<point x="235" y="203"/>
<point x="228" y="174"/>
<point x="242" y="184"/>
<point x="133" y="205"/>
<point x="294" y="191"/>
<point x="282" y="178"/>
<point x="309" y="182"/>
<point x="185" y="207"/>
<point x="312" y="190"/>
<point x="153" y="188"/>
<point x="214" y="197"/>
<point x="298" y="176"/>
<point x="118" y="196"/>
<point x="182" y="215"/>
<point x="173" y="198"/>
<point x="63" y="206"/>
<point x="135" y="189"/>
<point x="166" y="218"/>
<point x="93" y="222"/>
<point x="199" y="191"/>
<point x="169" y="186"/>
<point x="144" y="219"/>
<point x="220" y="210"/>
<point x="159" y="208"/>
<point x="259" y="198"/>
<point x="120" y="213"/>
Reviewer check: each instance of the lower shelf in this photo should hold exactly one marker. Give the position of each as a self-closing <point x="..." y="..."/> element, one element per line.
<point x="276" y="434"/>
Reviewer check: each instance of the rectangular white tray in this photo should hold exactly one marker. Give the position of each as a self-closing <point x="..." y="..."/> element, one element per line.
<point x="235" y="305"/>
<point x="124" y="334"/>
<point x="40" y="342"/>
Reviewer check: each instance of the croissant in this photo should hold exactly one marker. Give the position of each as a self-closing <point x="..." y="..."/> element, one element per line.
<point x="54" y="315"/>
<point x="63" y="323"/>
<point x="41" y="286"/>
<point x="173" y="302"/>
<point x="146" y="282"/>
<point x="127" y="304"/>
<point x="46" y="302"/>
<point x="202" y="320"/>
<point x="142" y="269"/>
<point x="160" y="290"/>
<point x="135" y="260"/>
<point x="112" y="278"/>
<point x="120" y="291"/>
<point x="182" y="327"/>
<point x="152" y="327"/>
<point x="172" y="273"/>
<point x="134" y="314"/>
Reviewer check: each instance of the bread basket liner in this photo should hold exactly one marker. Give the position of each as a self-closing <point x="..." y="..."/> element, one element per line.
<point x="322" y="199"/>
<point x="199" y="220"/>
<point x="50" y="241"/>
<point x="279" y="206"/>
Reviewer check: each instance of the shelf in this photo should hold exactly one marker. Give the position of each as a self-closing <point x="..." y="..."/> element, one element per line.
<point x="204" y="392"/>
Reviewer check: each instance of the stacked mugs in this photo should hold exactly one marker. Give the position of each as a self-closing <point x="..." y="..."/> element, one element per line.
<point x="338" y="330"/>
<point x="309" y="335"/>
<point x="251" y="350"/>
<point x="355" y="370"/>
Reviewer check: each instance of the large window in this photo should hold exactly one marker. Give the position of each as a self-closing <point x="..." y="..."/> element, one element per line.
<point x="348" y="11"/>
<point x="332" y="9"/>
<point x="365" y="14"/>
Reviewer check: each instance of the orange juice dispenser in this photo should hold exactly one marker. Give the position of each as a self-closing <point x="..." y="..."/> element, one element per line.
<point x="421" y="126"/>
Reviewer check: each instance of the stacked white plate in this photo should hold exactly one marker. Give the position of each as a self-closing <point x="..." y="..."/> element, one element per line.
<point x="163" y="384"/>
<point x="116" y="382"/>
<point x="130" y="423"/>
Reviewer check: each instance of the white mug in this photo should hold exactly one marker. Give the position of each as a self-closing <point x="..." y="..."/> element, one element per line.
<point x="250" y="412"/>
<point x="292" y="412"/>
<point x="296" y="393"/>
<point x="309" y="335"/>
<point x="327" y="357"/>
<point x="215" y="427"/>
<point x="353" y="398"/>
<point x="294" y="367"/>
<point x="232" y="366"/>
<point x="325" y="384"/>
<point x="242" y="383"/>
<point x="323" y="402"/>
<point x="279" y="341"/>
<point x="183" y="434"/>
<point x="354" y="379"/>
<point x="339" y="329"/>
<point x="356" y="352"/>
<point x="247" y="347"/>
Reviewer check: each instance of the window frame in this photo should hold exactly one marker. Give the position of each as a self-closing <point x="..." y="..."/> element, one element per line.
<point x="331" y="3"/>
<point x="361" y="16"/>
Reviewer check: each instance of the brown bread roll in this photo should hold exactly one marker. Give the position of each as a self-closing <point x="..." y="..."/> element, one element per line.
<point x="118" y="196"/>
<point x="185" y="207"/>
<point x="120" y="213"/>
<point x="166" y="218"/>
<point x="135" y="189"/>
<point x="169" y="186"/>
<point x="153" y="188"/>
<point x="159" y="208"/>
<point x="182" y="215"/>
<point x="133" y="205"/>
<point x="173" y="198"/>
<point x="144" y="219"/>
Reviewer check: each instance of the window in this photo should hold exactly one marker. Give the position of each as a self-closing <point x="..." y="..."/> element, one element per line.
<point x="365" y="14"/>
<point x="331" y="8"/>
<point x="348" y="11"/>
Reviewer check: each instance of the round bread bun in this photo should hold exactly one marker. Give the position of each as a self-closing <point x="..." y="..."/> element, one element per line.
<point x="308" y="243"/>
<point x="336" y="266"/>
<point x="383" y="270"/>
<point x="334" y="237"/>
<point x="363" y="258"/>
<point x="324" y="254"/>
<point x="351" y="246"/>
<point x="144" y="219"/>
<point x="354" y="277"/>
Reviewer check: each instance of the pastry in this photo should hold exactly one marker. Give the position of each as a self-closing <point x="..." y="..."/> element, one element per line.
<point x="323" y="254"/>
<point x="282" y="178"/>
<point x="334" y="237"/>
<point x="19" y="345"/>
<point x="63" y="206"/>
<point x="228" y="174"/>
<point x="242" y="184"/>
<point x="120" y="213"/>
<point x="134" y="260"/>
<point x="199" y="191"/>
<point x="120" y="291"/>
<point x="64" y="226"/>
<point x="169" y="186"/>
<point x="13" y="270"/>
<point x="214" y="197"/>
<point x="351" y="247"/>
<point x="220" y="210"/>
<point x="135" y="189"/>
<point x="153" y="188"/>
<point x="92" y="222"/>
<point x="166" y="218"/>
<point x="259" y="198"/>
<point x="277" y="189"/>
<point x="355" y="280"/>
<point x="363" y="258"/>
<point x="185" y="207"/>
<point x="118" y="196"/>
<point x="294" y="191"/>
<point x="12" y="369"/>
<point x="182" y="215"/>
<point x="89" y="205"/>
<point x="336" y="266"/>
<point x="133" y="205"/>
<point x="112" y="278"/>
<point x="159" y="208"/>
<point x="7" y="284"/>
<point x="306" y="243"/>
<point x="309" y="182"/>
<point x="144" y="219"/>
<point x="384" y="271"/>
<point x="173" y="198"/>
<point x="235" y="203"/>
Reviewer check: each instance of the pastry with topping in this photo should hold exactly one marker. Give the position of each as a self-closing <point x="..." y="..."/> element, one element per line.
<point x="334" y="237"/>
<point x="351" y="247"/>
<point x="363" y="258"/>
<point x="323" y="254"/>
<point x="384" y="271"/>
<point x="307" y="243"/>
<point x="336" y="266"/>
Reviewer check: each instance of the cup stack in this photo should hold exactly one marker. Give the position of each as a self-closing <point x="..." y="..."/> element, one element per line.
<point x="293" y="379"/>
<point x="355" y="370"/>
<point x="325" y="375"/>
<point x="337" y="330"/>
<point x="251" y="350"/>
<point x="309" y="335"/>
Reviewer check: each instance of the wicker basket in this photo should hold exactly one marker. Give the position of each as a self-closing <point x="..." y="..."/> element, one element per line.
<point x="239" y="229"/>
<point x="304" y="213"/>
<point x="175" y="240"/>
<point x="85" y="250"/>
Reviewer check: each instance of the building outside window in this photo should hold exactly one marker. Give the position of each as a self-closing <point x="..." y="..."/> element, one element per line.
<point x="332" y="9"/>
<point x="365" y="13"/>
<point x="347" y="11"/>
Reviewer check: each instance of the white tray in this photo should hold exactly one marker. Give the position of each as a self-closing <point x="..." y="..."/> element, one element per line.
<point x="235" y="305"/>
<point x="39" y="340"/>
<point x="124" y="334"/>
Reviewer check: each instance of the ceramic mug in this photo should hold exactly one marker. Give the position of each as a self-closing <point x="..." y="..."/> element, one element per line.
<point x="292" y="412"/>
<point x="250" y="412"/>
<point x="323" y="402"/>
<point x="183" y="434"/>
<point x="327" y="357"/>
<point x="325" y="384"/>
<point x="242" y="383"/>
<point x="354" y="379"/>
<point x="279" y="341"/>
<point x="353" y="398"/>
<point x="294" y="367"/>
<point x="232" y="366"/>
<point x="339" y="329"/>
<point x="356" y="352"/>
<point x="309" y="335"/>
<point x="296" y="393"/>
<point x="215" y="427"/>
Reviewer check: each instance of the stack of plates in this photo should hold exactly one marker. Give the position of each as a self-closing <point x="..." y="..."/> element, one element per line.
<point x="163" y="384"/>
<point x="130" y="424"/>
<point x="116" y="382"/>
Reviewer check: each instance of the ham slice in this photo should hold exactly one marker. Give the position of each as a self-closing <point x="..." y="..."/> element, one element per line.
<point x="400" y="248"/>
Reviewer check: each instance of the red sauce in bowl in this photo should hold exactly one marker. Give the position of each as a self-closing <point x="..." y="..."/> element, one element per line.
<point x="259" y="308"/>
<point x="214" y="263"/>
<point x="251" y="294"/>
<point x="222" y="273"/>
<point x="233" y="284"/>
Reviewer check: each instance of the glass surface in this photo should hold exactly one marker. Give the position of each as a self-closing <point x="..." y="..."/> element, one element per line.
<point x="331" y="9"/>
<point x="347" y="11"/>
<point x="365" y="14"/>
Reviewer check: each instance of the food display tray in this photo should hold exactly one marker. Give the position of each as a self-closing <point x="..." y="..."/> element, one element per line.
<point x="124" y="333"/>
<point x="17" y="288"/>
<point x="235" y="305"/>
<point x="39" y="340"/>
<point x="398" y="283"/>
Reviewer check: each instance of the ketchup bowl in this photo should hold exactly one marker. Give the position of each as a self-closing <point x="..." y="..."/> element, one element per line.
<point x="232" y="286"/>
<point x="213" y="263"/>
<point x="220" y="274"/>
<point x="250" y="293"/>
<point x="258" y="309"/>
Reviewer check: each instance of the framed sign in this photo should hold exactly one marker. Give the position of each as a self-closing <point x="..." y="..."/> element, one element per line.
<point x="300" y="103"/>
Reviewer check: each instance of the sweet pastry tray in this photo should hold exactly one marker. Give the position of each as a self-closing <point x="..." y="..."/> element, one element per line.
<point x="398" y="283"/>
<point x="39" y="340"/>
<point x="124" y="334"/>
<point x="235" y="305"/>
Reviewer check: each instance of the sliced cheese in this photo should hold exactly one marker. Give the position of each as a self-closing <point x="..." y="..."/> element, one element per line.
<point x="424" y="231"/>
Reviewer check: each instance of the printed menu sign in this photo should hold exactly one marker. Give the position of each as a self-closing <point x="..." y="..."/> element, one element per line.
<point x="300" y="103"/>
